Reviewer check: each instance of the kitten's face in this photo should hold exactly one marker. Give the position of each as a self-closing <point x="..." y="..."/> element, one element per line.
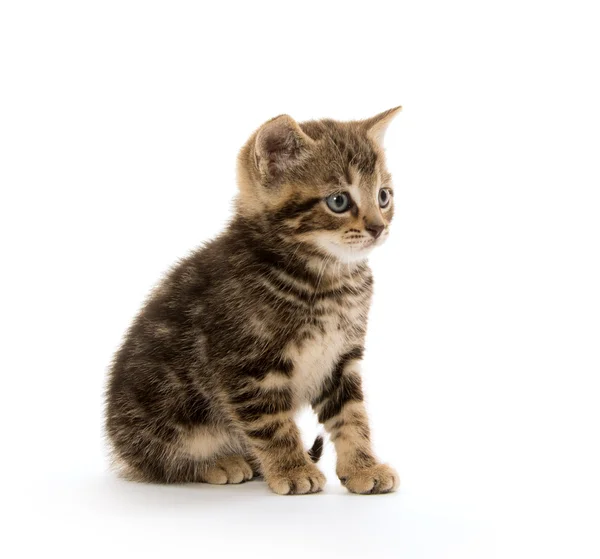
<point x="352" y="215"/>
<point x="320" y="183"/>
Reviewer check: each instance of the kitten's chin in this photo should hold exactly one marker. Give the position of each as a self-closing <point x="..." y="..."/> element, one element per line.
<point x="346" y="253"/>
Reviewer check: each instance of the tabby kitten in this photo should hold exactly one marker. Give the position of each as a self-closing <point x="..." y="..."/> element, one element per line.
<point x="268" y="317"/>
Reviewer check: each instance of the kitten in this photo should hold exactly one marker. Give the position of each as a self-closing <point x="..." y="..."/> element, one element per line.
<point x="268" y="317"/>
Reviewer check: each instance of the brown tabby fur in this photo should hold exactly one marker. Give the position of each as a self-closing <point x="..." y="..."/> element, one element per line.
<point x="266" y="318"/>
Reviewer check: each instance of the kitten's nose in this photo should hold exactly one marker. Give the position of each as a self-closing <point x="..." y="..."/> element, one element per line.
<point x="375" y="230"/>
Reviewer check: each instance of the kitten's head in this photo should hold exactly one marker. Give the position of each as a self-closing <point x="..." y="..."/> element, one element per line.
<point x="320" y="183"/>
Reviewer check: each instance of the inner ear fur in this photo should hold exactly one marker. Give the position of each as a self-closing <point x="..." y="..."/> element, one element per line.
<point x="280" y="144"/>
<point x="377" y="125"/>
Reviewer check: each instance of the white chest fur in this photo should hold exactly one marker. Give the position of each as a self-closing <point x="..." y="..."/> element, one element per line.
<point x="315" y="358"/>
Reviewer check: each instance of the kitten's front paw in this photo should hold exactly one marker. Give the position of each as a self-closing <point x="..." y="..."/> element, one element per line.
<point x="298" y="481"/>
<point x="380" y="478"/>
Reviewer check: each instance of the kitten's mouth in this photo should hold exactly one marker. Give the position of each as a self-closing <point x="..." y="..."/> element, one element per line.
<point x="369" y="243"/>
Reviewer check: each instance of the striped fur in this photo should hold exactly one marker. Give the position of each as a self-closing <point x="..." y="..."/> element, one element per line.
<point x="265" y="319"/>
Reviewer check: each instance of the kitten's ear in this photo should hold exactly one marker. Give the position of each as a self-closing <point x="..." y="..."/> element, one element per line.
<point x="280" y="144"/>
<point x="377" y="125"/>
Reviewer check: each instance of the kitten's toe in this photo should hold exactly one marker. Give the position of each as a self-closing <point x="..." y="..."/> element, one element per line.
<point x="380" y="478"/>
<point x="299" y="481"/>
<point x="247" y="470"/>
<point x="215" y="475"/>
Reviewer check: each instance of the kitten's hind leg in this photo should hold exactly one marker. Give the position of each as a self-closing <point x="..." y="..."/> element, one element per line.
<point x="198" y="454"/>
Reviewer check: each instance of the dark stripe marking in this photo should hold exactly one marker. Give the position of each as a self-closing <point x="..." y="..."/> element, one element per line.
<point x="349" y="389"/>
<point x="331" y="384"/>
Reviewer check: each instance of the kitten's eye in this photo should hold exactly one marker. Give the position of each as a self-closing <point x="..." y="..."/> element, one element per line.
<point x="338" y="203"/>
<point x="384" y="197"/>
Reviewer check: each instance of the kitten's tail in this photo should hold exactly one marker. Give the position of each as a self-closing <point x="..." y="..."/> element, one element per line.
<point x="316" y="450"/>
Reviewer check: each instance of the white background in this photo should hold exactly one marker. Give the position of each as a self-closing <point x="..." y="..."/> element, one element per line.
<point x="119" y="127"/>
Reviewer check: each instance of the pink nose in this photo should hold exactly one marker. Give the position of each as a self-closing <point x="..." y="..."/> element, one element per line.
<point x="375" y="230"/>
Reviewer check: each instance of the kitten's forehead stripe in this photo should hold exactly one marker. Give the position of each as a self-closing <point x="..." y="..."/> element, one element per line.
<point x="348" y="174"/>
